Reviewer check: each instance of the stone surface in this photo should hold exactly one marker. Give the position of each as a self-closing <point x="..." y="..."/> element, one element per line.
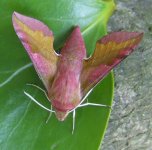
<point x="130" y="126"/>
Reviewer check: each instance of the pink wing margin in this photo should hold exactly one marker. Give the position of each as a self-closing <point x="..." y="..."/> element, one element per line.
<point x="37" y="39"/>
<point x="109" y="52"/>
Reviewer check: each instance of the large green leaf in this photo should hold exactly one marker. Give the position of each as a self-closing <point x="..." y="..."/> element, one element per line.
<point x="22" y="123"/>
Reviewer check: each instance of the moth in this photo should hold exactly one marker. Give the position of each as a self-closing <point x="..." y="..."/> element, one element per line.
<point x="70" y="76"/>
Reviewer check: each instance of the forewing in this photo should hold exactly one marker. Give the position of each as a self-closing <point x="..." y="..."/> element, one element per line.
<point x="37" y="39"/>
<point x="109" y="52"/>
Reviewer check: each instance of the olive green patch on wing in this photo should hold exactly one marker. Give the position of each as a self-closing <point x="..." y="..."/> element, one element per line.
<point x="38" y="42"/>
<point x="109" y="52"/>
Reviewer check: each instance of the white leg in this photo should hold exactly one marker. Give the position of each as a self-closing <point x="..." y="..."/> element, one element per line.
<point x="34" y="100"/>
<point x="93" y="104"/>
<point x="73" y="121"/>
<point x="84" y="98"/>
<point x="39" y="89"/>
<point x="49" y="116"/>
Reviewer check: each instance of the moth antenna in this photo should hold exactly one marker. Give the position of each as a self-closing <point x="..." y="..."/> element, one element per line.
<point x="49" y="116"/>
<point x="39" y="89"/>
<point x="94" y="104"/>
<point x="73" y="127"/>
<point x="34" y="100"/>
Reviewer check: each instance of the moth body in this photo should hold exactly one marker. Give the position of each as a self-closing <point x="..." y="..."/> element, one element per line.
<point x="69" y="76"/>
<point x="65" y="92"/>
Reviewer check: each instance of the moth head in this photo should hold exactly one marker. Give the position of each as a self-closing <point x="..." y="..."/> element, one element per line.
<point x="61" y="109"/>
<point x="61" y="115"/>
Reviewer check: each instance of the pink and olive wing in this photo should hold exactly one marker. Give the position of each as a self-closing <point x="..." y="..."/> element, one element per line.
<point x="37" y="39"/>
<point x="109" y="52"/>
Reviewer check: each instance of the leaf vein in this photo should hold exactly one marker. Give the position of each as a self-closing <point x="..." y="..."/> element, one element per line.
<point x="18" y="71"/>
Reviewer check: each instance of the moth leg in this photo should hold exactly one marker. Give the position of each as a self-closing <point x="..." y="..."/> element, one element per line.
<point x="94" y="104"/>
<point x="39" y="89"/>
<point x="34" y="100"/>
<point x="50" y="114"/>
<point x="84" y="98"/>
<point x="73" y="127"/>
<point x="82" y="101"/>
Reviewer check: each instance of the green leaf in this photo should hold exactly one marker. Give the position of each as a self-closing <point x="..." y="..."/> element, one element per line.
<point x="22" y="122"/>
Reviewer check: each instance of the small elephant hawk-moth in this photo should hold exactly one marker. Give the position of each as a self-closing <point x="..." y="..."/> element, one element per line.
<point x="70" y="76"/>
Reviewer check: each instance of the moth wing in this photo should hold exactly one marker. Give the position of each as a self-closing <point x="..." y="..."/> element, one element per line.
<point x="37" y="39"/>
<point x="109" y="52"/>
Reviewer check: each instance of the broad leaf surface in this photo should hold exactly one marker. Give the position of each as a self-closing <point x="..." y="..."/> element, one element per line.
<point x="22" y="122"/>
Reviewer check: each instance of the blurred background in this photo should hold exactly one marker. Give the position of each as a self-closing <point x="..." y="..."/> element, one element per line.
<point x="130" y="126"/>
